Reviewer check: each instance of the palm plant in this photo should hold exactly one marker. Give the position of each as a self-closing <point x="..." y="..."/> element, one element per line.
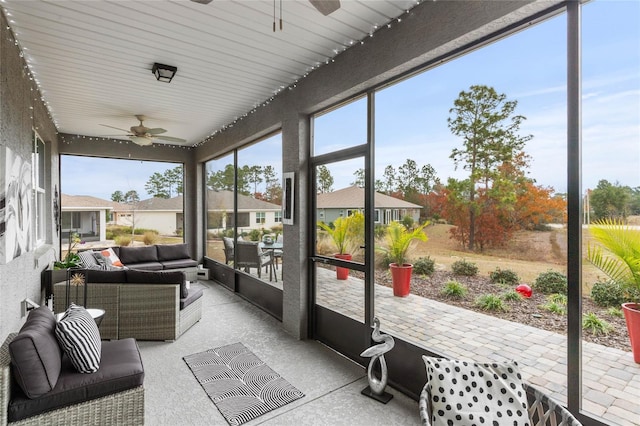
<point x="398" y="240"/>
<point x="617" y="254"/>
<point x="346" y="232"/>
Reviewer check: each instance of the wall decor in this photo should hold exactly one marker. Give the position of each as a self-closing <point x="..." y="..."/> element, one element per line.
<point x="56" y="210"/>
<point x="15" y="206"/>
<point x="288" y="186"/>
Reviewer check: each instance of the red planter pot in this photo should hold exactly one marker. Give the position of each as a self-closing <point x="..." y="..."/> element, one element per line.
<point x="632" y="316"/>
<point x="342" y="273"/>
<point x="401" y="278"/>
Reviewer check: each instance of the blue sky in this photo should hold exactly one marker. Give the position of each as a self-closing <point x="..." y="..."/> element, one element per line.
<point x="411" y="116"/>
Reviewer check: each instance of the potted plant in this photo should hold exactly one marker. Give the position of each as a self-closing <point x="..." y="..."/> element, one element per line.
<point x="71" y="259"/>
<point x="618" y="256"/>
<point x="346" y="234"/>
<point x="398" y="240"/>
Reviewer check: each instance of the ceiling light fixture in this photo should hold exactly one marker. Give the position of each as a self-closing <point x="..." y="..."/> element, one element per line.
<point x="164" y="73"/>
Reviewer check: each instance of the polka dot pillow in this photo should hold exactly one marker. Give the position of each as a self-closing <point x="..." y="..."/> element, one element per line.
<point x="468" y="393"/>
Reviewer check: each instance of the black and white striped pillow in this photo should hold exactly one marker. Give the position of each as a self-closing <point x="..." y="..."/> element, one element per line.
<point x="87" y="260"/>
<point x="79" y="337"/>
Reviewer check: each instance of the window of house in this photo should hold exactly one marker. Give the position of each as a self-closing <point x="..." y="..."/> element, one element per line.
<point x="39" y="174"/>
<point x="261" y="217"/>
<point x="278" y="217"/>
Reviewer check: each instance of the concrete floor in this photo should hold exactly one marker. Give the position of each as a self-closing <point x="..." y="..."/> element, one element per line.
<point x="330" y="382"/>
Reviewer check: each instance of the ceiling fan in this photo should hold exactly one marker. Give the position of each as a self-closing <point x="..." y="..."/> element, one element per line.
<point x="143" y="135"/>
<point x="325" y="7"/>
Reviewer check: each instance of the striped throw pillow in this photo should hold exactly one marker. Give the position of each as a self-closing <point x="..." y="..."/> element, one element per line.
<point x="87" y="260"/>
<point x="79" y="337"/>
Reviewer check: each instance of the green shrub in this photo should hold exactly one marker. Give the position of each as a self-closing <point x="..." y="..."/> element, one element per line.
<point x="615" y="312"/>
<point x="558" y="298"/>
<point x="462" y="267"/>
<point x="424" y="266"/>
<point x="511" y="296"/>
<point x="254" y="235"/>
<point x="595" y="325"/>
<point x="454" y="289"/>
<point x="555" y="308"/>
<point x="379" y="231"/>
<point x="123" y="240"/>
<point x="504" y="276"/>
<point x="407" y="221"/>
<point x="384" y="259"/>
<point x="551" y="282"/>
<point x="490" y="302"/>
<point x="150" y="238"/>
<point x="607" y="293"/>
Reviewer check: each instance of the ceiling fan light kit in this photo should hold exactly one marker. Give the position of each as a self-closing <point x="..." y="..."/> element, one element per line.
<point x="164" y="73"/>
<point x="143" y="135"/>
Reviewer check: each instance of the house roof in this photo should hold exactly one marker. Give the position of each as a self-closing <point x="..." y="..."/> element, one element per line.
<point x="353" y="197"/>
<point x="223" y="200"/>
<point x="216" y="200"/>
<point x="84" y="202"/>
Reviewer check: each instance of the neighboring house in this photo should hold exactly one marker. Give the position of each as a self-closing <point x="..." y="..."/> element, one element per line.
<point x="252" y="213"/>
<point x="344" y="202"/>
<point x="165" y="215"/>
<point x="84" y="215"/>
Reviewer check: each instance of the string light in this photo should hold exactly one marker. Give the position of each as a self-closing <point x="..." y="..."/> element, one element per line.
<point x="329" y="60"/>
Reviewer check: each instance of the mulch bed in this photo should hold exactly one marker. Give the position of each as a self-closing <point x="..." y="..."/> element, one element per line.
<point x="525" y="311"/>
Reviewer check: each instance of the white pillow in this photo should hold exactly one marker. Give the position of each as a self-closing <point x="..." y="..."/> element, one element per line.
<point x="111" y="257"/>
<point x="79" y="337"/>
<point x="466" y="393"/>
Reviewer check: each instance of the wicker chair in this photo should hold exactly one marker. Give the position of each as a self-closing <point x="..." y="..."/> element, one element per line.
<point x="122" y="408"/>
<point x="543" y="411"/>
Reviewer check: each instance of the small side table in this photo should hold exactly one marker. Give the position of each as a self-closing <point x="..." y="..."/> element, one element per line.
<point x="203" y="274"/>
<point x="96" y="314"/>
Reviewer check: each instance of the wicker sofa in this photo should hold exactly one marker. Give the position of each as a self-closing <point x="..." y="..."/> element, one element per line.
<point x="40" y="386"/>
<point x="145" y="305"/>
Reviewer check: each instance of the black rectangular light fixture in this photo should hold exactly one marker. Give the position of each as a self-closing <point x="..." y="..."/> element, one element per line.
<point x="164" y="72"/>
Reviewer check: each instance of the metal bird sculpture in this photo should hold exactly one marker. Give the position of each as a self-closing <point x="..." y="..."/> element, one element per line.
<point x="376" y="353"/>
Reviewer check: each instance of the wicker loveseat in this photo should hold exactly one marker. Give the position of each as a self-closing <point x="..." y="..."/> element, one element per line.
<point x="40" y="386"/>
<point x="145" y="305"/>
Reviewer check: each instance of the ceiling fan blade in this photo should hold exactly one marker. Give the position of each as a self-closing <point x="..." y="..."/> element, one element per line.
<point x="202" y="1"/>
<point x="141" y="140"/>
<point x="117" y="128"/>
<point x="325" y="7"/>
<point x="156" y="131"/>
<point x="169" y="139"/>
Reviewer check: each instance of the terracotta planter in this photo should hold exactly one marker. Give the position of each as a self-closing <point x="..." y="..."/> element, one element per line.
<point x="401" y="278"/>
<point x="342" y="273"/>
<point x="632" y="316"/>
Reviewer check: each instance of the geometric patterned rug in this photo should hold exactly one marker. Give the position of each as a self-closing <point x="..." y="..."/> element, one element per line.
<point x="240" y="385"/>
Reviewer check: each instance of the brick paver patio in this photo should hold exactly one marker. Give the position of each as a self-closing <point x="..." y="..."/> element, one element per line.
<point x="611" y="380"/>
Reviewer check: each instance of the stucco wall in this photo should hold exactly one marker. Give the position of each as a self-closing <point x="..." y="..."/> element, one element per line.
<point x="21" y="111"/>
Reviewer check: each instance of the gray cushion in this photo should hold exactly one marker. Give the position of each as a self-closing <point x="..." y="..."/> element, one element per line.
<point x="120" y="369"/>
<point x="173" y="251"/>
<point x="35" y="354"/>
<point x="179" y="263"/>
<point x="138" y="254"/>
<point x="147" y="266"/>
<point x="118" y="276"/>
<point x="195" y="292"/>
<point x="159" y="277"/>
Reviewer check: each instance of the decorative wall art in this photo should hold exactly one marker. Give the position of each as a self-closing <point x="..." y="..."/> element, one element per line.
<point x="15" y="205"/>
<point x="288" y="186"/>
